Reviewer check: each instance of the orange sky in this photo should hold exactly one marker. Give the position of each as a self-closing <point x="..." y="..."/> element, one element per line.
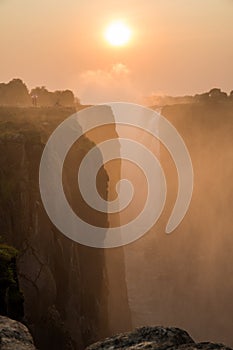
<point x="178" y="46"/>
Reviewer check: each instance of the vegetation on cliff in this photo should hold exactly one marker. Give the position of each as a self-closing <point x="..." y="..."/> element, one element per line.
<point x="11" y="298"/>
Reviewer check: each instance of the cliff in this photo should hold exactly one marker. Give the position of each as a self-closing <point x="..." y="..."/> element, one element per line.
<point x="65" y="285"/>
<point x="75" y="295"/>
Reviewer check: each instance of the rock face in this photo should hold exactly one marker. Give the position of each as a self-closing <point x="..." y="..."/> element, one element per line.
<point x="158" y="338"/>
<point x="66" y="286"/>
<point x="14" y="335"/>
<point x="185" y="279"/>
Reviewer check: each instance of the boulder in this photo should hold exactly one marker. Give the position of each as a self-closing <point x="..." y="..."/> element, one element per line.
<point x="14" y="335"/>
<point x="157" y="338"/>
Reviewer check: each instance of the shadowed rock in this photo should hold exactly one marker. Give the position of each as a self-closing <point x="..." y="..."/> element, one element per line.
<point x="11" y="298"/>
<point x="158" y="338"/>
<point x="145" y="336"/>
<point x="202" y="346"/>
<point x="14" y="335"/>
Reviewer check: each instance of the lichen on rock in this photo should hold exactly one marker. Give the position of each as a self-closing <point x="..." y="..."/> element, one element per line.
<point x="155" y="338"/>
<point x="14" y="335"/>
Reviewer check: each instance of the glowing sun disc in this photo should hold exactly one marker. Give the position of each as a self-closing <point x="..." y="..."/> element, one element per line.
<point x="118" y="34"/>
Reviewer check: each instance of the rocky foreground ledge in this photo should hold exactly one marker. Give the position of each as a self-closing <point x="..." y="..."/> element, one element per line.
<point x="14" y="335"/>
<point x="157" y="338"/>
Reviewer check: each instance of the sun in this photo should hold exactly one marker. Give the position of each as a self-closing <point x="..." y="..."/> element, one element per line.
<point x="118" y="33"/>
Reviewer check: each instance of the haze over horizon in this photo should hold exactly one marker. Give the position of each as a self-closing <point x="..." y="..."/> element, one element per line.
<point x="177" y="47"/>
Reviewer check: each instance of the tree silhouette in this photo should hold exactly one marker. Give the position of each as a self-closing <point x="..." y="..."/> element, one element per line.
<point x="14" y="93"/>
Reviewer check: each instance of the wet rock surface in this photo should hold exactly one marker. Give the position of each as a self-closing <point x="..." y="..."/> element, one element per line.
<point x="159" y="338"/>
<point x="14" y="335"/>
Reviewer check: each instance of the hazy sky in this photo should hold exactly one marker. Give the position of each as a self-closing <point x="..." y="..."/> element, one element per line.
<point x="178" y="46"/>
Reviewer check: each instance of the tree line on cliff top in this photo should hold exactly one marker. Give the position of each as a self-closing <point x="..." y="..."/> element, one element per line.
<point x="213" y="95"/>
<point x="16" y="93"/>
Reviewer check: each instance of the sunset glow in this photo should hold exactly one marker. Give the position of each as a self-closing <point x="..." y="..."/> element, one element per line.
<point x="118" y="50"/>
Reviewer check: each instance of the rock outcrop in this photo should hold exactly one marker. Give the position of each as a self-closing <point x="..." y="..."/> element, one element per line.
<point x="157" y="338"/>
<point x="14" y="335"/>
